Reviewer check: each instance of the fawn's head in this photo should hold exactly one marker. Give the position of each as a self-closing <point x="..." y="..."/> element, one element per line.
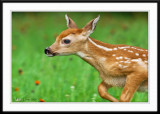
<point x="71" y="40"/>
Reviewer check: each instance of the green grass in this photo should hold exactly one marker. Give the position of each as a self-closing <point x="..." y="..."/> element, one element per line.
<point x="67" y="78"/>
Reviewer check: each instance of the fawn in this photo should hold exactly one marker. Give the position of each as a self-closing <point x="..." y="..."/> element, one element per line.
<point x="118" y="65"/>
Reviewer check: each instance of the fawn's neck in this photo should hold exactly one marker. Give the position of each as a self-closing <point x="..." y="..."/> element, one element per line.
<point x="95" y="51"/>
<point x="94" y="48"/>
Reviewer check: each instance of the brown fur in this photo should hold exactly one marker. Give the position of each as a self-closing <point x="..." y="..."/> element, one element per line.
<point x="68" y="32"/>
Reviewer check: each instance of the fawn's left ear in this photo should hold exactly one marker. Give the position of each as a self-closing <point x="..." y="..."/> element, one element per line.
<point x="70" y="22"/>
<point x="89" y="28"/>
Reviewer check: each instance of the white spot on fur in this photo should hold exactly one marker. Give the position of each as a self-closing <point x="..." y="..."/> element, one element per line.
<point x="146" y="61"/>
<point x="121" y="61"/>
<point x="102" y="47"/>
<point x="120" y="65"/>
<point x="117" y="58"/>
<point x="120" y="57"/>
<point x="114" y="48"/>
<point x="124" y="47"/>
<point x="114" y="55"/>
<point x="127" y="62"/>
<point x="136" y="60"/>
<point x="141" y="50"/>
<point x="137" y="54"/>
<point x="125" y="66"/>
<point x="126" y="58"/>
<point x="130" y="51"/>
<point x="144" y="55"/>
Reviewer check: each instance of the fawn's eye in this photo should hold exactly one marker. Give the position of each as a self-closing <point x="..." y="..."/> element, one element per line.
<point x="66" y="41"/>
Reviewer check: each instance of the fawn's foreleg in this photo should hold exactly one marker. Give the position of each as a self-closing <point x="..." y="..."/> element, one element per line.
<point x="133" y="81"/>
<point x="102" y="89"/>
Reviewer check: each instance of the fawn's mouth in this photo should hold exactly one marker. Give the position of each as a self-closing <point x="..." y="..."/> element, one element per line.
<point x="51" y="54"/>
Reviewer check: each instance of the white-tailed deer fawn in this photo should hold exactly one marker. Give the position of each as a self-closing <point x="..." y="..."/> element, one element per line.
<point x="118" y="65"/>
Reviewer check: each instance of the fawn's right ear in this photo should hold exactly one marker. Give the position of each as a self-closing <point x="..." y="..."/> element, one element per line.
<point x="70" y="22"/>
<point x="89" y="28"/>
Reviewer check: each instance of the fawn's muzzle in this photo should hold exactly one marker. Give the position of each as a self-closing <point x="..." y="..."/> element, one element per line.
<point x="47" y="51"/>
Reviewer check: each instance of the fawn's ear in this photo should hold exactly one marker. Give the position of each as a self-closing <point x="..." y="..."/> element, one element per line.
<point x="70" y="22"/>
<point x="89" y="28"/>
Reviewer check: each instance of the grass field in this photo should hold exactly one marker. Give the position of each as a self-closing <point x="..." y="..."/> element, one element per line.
<point x="36" y="77"/>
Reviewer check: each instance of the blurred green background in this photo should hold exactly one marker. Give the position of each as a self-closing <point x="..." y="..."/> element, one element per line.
<point x="38" y="78"/>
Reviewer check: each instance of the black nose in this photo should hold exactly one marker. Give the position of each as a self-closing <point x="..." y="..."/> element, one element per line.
<point x="46" y="51"/>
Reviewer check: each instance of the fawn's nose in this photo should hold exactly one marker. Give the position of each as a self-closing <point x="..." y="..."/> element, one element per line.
<point x="46" y="51"/>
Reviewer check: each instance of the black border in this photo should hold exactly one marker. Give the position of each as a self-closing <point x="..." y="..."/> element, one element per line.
<point x="80" y="1"/>
<point x="77" y="1"/>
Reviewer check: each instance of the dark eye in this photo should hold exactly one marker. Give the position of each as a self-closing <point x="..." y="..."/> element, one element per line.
<point x="66" y="41"/>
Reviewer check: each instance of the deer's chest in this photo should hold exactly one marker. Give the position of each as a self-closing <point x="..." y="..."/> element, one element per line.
<point x="110" y="73"/>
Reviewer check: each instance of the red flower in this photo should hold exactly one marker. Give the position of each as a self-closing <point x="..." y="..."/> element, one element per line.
<point x="37" y="82"/>
<point x="16" y="89"/>
<point x="41" y="100"/>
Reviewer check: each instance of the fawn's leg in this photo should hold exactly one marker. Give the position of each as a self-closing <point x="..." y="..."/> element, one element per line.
<point x="102" y="89"/>
<point x="132" y="83"/>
